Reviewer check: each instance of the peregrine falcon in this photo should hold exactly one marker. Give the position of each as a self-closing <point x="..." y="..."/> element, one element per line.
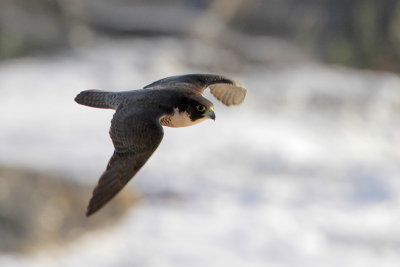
<point x="136" y="127"/>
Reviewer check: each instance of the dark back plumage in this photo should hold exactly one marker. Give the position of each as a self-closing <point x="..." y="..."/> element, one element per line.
<point x="136" y="130"/>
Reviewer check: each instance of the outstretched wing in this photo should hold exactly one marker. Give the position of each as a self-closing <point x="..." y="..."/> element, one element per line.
<point x="225" y="90"/>
<point x="136" y="135"/>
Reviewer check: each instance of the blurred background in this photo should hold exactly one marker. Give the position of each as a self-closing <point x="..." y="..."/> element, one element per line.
<point x="304" y="173"/>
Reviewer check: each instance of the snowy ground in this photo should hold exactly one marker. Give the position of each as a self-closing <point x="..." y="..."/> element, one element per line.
<point x="304" y="173"/>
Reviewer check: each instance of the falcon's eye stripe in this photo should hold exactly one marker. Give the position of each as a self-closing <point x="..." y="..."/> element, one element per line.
<point x="201" y="108"/>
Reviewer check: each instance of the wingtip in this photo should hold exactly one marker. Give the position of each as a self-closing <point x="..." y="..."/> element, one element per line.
<point x="91" y="207"/>
<point x="90" y="211"/>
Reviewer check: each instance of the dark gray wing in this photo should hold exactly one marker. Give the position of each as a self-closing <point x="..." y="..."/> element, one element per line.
<point x="225" y="90"/>
<point x="136" y="134"/>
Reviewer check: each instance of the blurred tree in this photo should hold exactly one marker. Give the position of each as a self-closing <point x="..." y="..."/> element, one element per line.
<point x="30" y="26"/>
<point x="358" y="33"/>
<point x="361" y="33"/>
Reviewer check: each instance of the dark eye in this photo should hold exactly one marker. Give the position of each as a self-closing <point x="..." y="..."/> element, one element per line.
<point x="201" y="108"/>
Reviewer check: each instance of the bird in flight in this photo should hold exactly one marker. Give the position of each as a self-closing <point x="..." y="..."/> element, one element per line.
<point x="136" y="127"/>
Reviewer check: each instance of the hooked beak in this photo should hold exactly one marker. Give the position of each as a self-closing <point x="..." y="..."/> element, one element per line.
<point x="210" y="113"/>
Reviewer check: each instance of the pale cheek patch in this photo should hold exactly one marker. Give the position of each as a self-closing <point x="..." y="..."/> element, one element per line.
<point x="179" y="119"/>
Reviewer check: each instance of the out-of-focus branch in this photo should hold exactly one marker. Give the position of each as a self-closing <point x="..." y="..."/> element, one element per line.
<point x="216" y="18"/>
<point x="213" y="26"/>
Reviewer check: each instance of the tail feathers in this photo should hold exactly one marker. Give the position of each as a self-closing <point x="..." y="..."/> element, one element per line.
<point x="97" y="99"/>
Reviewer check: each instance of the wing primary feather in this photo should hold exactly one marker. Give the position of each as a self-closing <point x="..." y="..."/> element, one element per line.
<point x="219" y="86"/>
<point x="128" y="129"/>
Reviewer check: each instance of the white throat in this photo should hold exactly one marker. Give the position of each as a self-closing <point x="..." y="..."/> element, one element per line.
<point x="178" y="119"/>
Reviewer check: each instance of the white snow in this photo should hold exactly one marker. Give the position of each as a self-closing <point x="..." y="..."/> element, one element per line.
<point x="304" y="173"/>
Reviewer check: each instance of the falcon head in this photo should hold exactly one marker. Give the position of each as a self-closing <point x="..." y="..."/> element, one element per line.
<point x="190" y="110"/>
<point x="200" y="109"/>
